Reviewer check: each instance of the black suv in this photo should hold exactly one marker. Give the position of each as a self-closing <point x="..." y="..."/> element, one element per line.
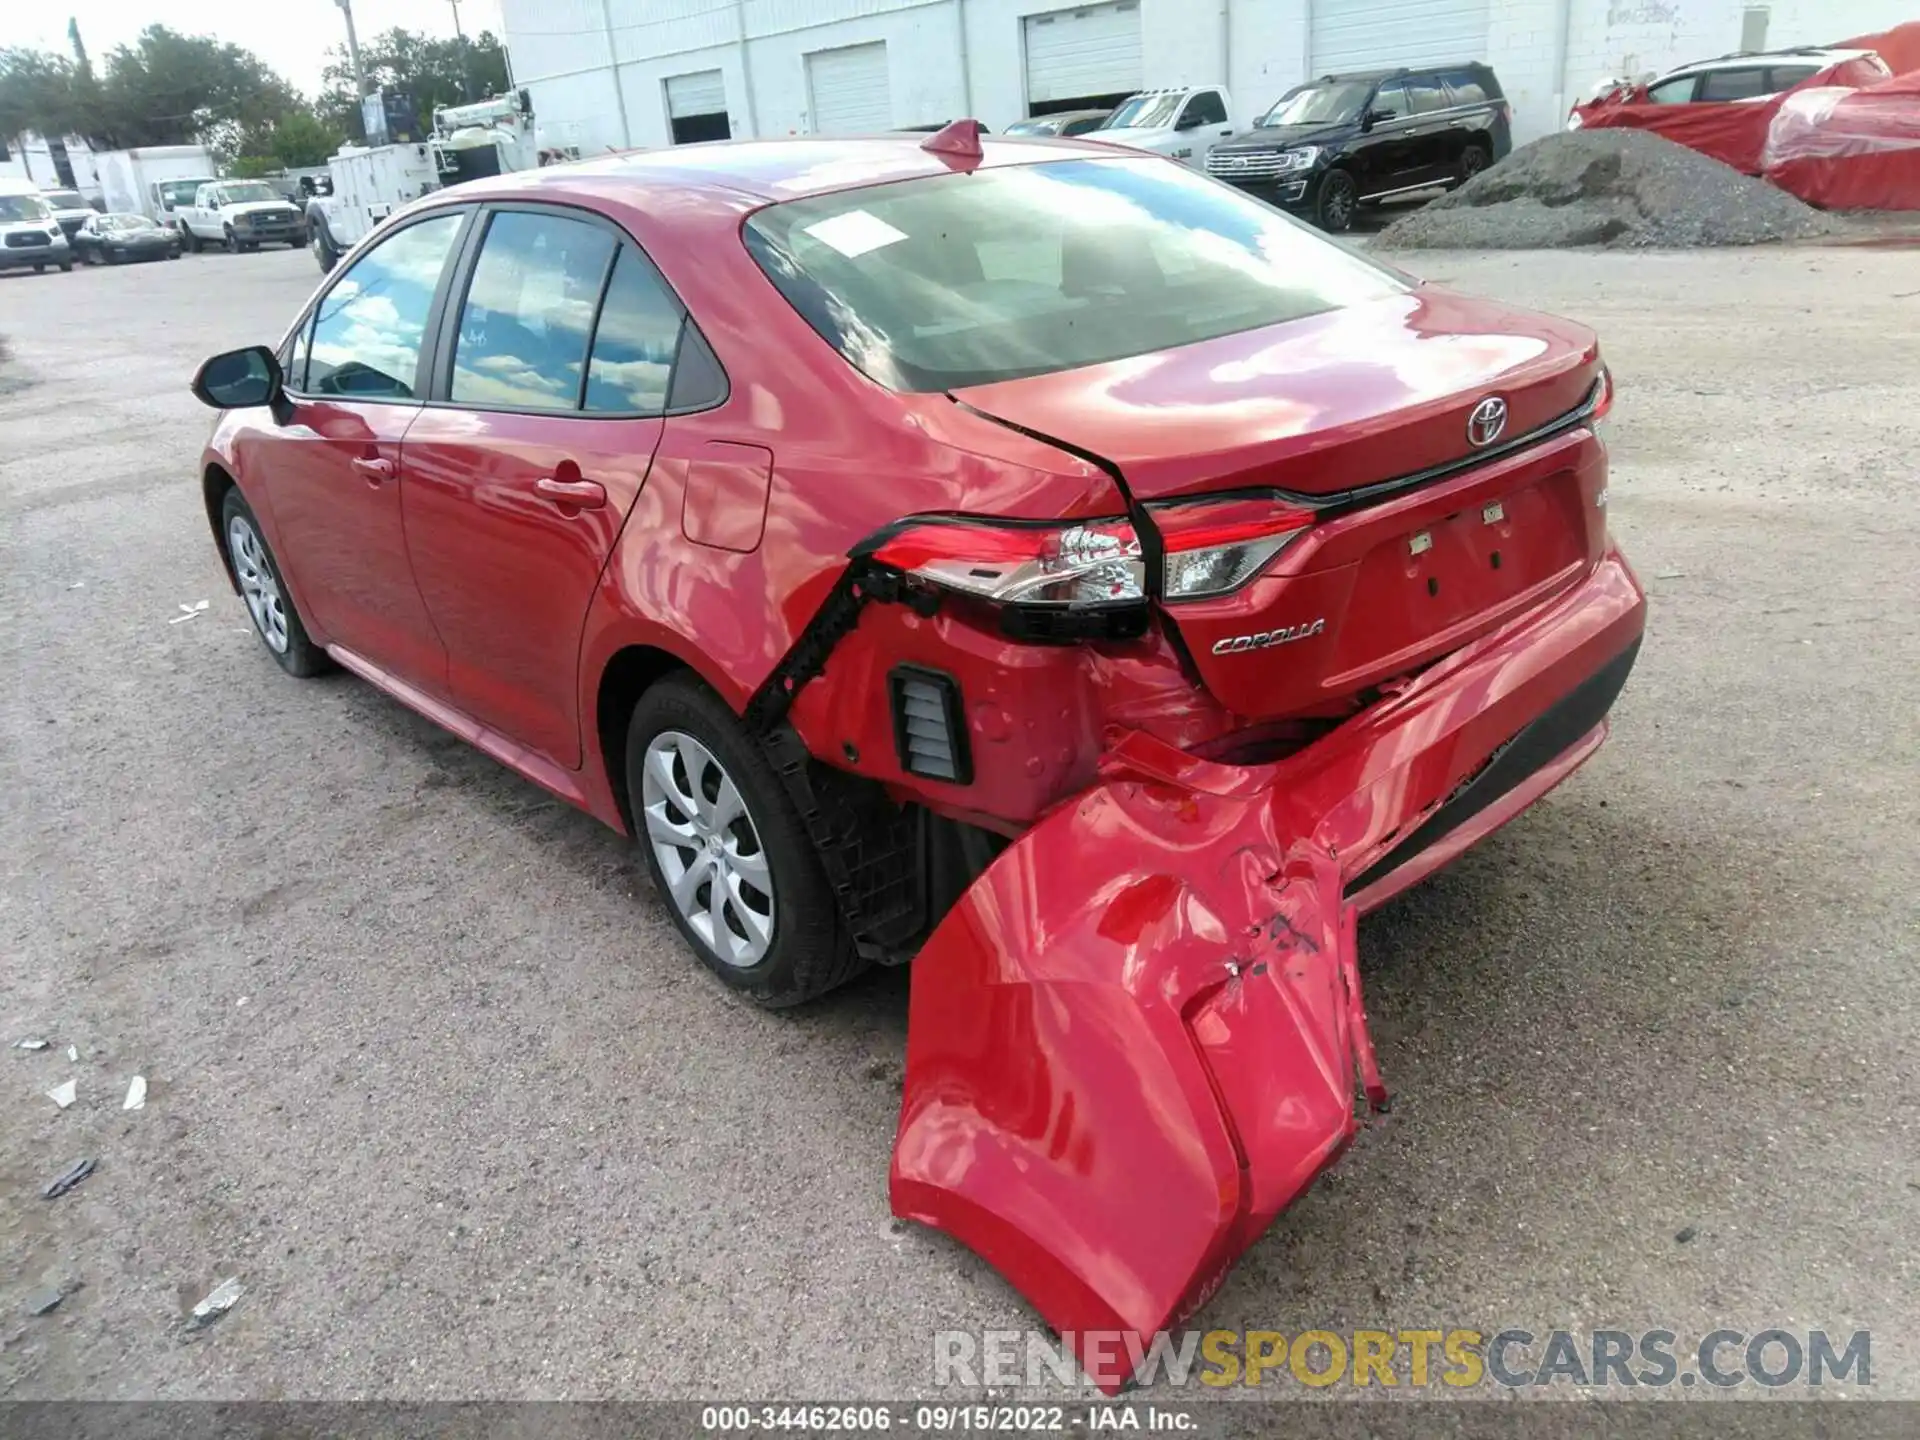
<point x="1334" y="142"/>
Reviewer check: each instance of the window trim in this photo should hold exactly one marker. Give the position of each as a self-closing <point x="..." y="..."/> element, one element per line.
<point x="438" y="390"/>
<point x="422" y="370"/>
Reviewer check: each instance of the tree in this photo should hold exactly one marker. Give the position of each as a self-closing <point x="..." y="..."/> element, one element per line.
<point x="435" y="72"/>
<point x="164" y="89"/>
<point x="38" y="93"/>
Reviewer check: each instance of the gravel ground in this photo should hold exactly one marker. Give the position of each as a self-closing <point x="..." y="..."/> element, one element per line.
<point x="1624" y="188"/>
<point x="432" y="1076"/>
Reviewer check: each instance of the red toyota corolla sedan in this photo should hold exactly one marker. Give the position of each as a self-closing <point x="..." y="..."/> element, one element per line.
<point x="1032" y="559"/>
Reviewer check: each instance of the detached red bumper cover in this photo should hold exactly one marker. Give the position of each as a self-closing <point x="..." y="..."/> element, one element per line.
<point x="1137" y="1038"/>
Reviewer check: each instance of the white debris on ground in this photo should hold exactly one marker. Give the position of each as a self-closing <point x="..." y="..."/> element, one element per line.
<point x="136" y="1094"/>
<point x="220" y="1300"/>
<point x="1621" y="188"/>
<point x="64" y="1094"/>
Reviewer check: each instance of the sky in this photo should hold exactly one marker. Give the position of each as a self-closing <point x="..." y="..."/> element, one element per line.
<point x="293" y="36"/>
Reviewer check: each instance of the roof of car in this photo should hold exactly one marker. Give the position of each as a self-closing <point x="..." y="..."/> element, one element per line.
<point x="1745" y="59"/>
<point x="1391" y="71"/>
<point x="784" y="169"/>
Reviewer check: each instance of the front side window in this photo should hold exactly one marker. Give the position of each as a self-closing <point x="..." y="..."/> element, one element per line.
<point x="372" y="325"/>
<point x="634" y="343"/>
<point x="1319" y="104"/>
<point x="528" y="316"/>
<point x="959" y="280"/>
<point x="1425" y="95"/>
<point x="1205" y="109"/>
<point x="1674" y="92"/>
<point x="1392" y="101"/>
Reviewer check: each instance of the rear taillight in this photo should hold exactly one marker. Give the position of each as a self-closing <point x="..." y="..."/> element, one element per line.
<point x="1064" y="582"/>
<point x="1215" y="547"/>
<point x="1603" y="396"/>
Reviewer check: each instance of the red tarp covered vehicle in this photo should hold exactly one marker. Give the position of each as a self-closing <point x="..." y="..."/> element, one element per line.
<point x="1732" y="132"/>
<point x="1849" y="149"/>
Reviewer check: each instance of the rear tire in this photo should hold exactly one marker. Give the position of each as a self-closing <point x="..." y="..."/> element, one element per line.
<point x="1334" y="207"/>
<point x="325" y="252"/>
<point x="702" y="790"/>
<point x="1473" y="160"/>
<point x="269" y="604"/>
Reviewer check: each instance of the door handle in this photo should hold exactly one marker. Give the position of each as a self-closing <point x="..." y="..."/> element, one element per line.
<point x="373" y="471"/>
<point x="580" y="494"/>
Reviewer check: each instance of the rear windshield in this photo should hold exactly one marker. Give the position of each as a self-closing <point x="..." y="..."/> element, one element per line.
<point x="180" y="192"/>
<point x="66" y="200"/>
<point x="964" y="279"/>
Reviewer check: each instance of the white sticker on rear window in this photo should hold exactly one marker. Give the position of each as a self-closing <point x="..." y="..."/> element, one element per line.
<point x="855" y="233"/>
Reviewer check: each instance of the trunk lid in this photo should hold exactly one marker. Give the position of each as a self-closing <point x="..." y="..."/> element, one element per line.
<point x="1422" y="537"/>
<point x="1324" y="404"/>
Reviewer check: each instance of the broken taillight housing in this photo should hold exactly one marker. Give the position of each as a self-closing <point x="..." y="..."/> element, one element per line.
<point x="1216" y="546"/>
<point x="1085" y="580"/>
<point x="1602" y="398"/>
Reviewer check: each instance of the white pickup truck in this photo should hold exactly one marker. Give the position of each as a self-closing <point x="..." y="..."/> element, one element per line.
<point x="1184" y="122"/>
<point x="241" y="215"/>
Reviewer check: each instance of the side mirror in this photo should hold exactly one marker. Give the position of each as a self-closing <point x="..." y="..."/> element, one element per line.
<point x="239" y="379"/>
<point x="1188" y="122"/>
<point x="1376" y="115"/>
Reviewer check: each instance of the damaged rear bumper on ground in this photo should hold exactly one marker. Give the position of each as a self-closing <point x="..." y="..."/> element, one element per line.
<point x="1135" y="1040"/>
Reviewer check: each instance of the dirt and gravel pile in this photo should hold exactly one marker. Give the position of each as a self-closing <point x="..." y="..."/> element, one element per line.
<point x="1621" y="188"/>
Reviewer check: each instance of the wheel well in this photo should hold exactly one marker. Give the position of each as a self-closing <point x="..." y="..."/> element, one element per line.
<point x="1483" y="140"/>
<point x="213" y="487"/>
<point x="622" y="683"/>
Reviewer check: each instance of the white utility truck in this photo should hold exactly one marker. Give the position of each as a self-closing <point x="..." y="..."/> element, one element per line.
<point x="370" y="182"/>
<point x="1184" y="122"/>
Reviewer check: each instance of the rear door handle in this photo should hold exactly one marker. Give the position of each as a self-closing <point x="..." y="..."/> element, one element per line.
<point x="580" y="494"/>
<point x="374" y="471"/>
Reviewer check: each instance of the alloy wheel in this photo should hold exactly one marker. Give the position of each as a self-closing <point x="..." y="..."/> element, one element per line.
<point x="708" y="848"/>
<point x="1338" y="205"/>
<point x="259" y="586"/>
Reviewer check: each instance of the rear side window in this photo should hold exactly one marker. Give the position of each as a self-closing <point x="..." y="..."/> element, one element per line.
<point x="1785" y="77"/>
<point x="958" y="280"/>
<point x="1425" y="93"/>
<point x="1733" y="84"/>
<point x="528" y="314"/>
<point x="370" y="327"/>
<point x="634" y="345"/>
<point x="1205" y="109"/>
<point x="1467" y="88"/>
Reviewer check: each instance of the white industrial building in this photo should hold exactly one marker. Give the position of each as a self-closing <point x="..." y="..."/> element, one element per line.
<point x="612" y="74"/>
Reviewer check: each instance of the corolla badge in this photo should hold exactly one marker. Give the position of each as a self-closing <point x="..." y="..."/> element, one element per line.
<point x="1266" y="639"/>
<point x="1488" y="421"/>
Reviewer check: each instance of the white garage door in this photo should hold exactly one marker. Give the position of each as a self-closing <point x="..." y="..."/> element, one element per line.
<point x="1376" y="34"/>
<point x="1094" y="50"/>
<point x="849" y="90"/>
<point x="701" y="94"/>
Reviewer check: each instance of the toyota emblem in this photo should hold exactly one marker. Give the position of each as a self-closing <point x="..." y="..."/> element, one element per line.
<point x="1488" y="420"/>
